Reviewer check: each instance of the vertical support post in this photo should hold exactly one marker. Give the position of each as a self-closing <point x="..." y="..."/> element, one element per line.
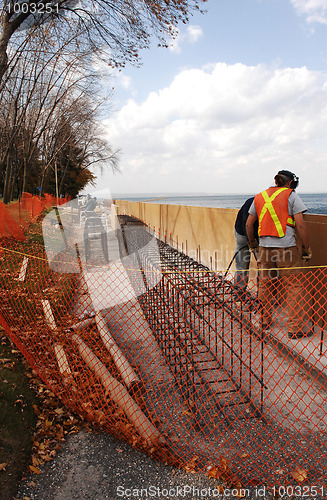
<point x="113" y="217"/>
<point x="23" y="269"/>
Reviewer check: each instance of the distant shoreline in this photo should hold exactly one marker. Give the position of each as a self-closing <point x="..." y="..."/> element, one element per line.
<point x="316" y="203"/>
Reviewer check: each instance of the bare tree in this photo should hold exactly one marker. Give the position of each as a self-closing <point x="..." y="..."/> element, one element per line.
<point x="122" y="26"/>
<point x="49" y="104"/>
<point x="73" y="142"/>
<point x="47" y="48"/>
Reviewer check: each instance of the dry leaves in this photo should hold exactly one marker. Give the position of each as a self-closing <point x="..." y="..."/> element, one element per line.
<point x="299" y="474"/>
<point x="213" y="472"/>
<point x="3" y="466"/>
<point x="7" y="363"/>
<point x="224" y="473"/>
<point x="187" y="407"/>
<point x="35" y="470"/>
<point x="54" y="424"/>
<point x="190" y="466"/>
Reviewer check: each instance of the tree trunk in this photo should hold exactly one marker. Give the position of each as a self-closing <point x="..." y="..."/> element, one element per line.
<point x="7" y="30"/>
<point x="5" y="36"/>
<point x="7" y="182"/>
<point x="12" y="182"/>
<point x="3" y="58"/>
<point x="25" y="176"/>
<point x="63" y="176"/>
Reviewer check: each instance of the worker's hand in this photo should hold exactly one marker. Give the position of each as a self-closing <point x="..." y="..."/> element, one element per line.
<point x="253" y="245"/>
<point x="306" y="254"/>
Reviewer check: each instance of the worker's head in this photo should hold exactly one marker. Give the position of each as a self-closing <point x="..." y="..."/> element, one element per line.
<point x="285" y="177"/>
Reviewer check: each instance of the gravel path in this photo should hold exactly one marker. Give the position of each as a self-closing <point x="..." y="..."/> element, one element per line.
<point x="98" y="467"/>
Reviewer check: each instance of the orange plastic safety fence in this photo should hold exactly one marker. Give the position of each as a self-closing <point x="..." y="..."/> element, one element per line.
<point x="185" y="370"/>
<point x="10" y="223"/>
<point x="16" y="217"/>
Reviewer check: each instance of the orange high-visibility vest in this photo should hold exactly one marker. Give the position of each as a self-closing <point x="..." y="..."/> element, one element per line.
<point x="272" y="211"/>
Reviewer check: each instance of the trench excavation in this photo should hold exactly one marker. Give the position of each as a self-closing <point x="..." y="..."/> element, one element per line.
<point x="226" y="372"/>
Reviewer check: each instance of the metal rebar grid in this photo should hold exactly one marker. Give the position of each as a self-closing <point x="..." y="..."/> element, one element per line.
<point x="192" y="314"/>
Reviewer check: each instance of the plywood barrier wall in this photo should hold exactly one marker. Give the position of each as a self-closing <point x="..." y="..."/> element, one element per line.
<point x="317" y="231"/>
<point x="207" y="234"/>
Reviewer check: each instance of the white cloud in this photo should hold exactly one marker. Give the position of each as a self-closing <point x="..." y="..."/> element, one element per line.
<point x="191" y="35"/>
<point x="118" y="77"/>
<point x="315" y="11"/>
<point x="125" y="81"/>
<point x="224" y="128"/>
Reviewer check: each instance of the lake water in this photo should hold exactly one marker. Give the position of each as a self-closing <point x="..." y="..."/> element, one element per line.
<point x="316" y="203"/>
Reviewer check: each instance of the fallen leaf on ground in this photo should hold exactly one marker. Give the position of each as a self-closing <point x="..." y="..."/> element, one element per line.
<point x="299" y="474"/>
<point x="59" y="411"/>
<point x="239" y="492"/>
<point x="213" y="472"/>
<point x="190" y="466"/>
<point x="34" y="469"/>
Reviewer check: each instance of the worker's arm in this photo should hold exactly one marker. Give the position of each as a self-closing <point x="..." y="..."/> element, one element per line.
<point x="301" y="230"/>
<point x="250" y="228"/>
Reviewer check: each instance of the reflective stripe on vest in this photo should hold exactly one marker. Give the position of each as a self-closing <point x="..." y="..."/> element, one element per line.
<point x="268" y="207"/>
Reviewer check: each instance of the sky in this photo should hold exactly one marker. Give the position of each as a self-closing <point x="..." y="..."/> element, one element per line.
<point x="240" y="94"/>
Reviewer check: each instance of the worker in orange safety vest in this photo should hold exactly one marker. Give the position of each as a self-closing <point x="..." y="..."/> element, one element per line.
<point x="279" y="211"/>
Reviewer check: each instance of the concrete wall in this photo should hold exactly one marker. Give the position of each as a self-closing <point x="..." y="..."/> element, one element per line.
<point x="207" y="234"/>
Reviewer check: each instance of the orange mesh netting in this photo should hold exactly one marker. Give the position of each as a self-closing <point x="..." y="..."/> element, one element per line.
<point x="17" y="216"/>
<point x="162" y="352"/>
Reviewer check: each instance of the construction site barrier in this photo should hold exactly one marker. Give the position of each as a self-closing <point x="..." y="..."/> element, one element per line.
<point x="164" y="353"/>
<point x="16" y="217"/>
